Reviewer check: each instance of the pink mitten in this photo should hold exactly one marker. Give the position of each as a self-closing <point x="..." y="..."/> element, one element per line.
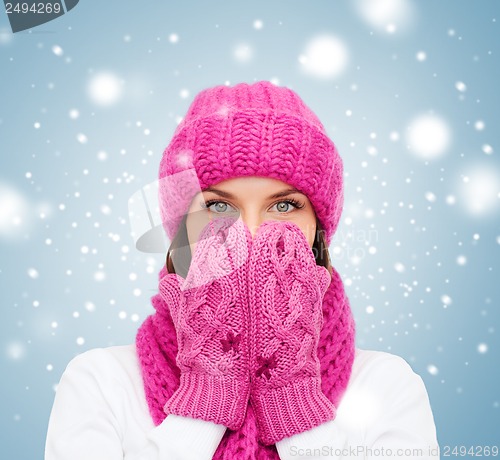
<point x="210" y="313"/>
<point x="286" y="289"/>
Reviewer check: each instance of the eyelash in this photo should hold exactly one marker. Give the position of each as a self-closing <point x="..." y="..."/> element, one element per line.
<point x="291" y="201"/>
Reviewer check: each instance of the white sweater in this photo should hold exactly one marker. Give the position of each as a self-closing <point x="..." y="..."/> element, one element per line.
<point x="100" y="413"/>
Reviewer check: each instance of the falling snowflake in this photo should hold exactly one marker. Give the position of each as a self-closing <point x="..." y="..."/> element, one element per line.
<point x="105" y="88"/>
<point x="57" y="50"/>
<point x="324" y="57"/>
<point x="429" y="136"/>
<point x="482" y="348"/>
<point x="432" y="369"/>
<point x="243" y="52"/>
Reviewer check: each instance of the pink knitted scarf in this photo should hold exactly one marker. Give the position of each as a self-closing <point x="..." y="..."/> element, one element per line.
<point x="157" y="349"/>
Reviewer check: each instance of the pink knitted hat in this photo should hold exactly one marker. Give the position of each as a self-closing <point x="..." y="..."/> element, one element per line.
<point x="257" y="129"/>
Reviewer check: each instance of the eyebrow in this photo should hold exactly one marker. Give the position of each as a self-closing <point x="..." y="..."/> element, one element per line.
<point x="283" y="193"/>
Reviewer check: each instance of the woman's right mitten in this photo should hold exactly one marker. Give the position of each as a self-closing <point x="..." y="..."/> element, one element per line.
<point x="210" y="313"/>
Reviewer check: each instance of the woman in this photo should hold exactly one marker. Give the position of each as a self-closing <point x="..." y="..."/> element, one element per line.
<point x="250" y="353"/>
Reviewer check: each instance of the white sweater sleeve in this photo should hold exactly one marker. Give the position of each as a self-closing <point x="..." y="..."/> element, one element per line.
<point x="83" y="424"/>
<point x="388" y="405"/>
<point x="100" y="412"/>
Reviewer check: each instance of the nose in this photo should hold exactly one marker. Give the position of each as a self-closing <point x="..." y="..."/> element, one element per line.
<point x="253" y="222"/>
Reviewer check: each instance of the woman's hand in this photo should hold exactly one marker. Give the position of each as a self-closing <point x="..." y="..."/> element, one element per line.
<point x="210" y="313"/>
<point x="286" y="290"/>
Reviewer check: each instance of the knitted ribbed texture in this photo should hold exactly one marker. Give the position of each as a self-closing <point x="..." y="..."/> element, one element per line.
<point x="286" y="289"/>
<point x="257" y="129"/>
<point x="210" y="312"/>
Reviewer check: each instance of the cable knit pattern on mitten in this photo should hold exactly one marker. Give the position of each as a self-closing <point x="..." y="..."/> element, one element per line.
<point x="210" y="312"/>
<point x="286" y="290"/>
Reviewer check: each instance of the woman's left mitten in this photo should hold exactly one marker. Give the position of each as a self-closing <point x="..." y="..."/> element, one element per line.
<point x="286" y="290"/>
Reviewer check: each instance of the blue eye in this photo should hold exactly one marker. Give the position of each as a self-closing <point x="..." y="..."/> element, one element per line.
<point x="280" y="206"/>
<point x="288" y="202"/>
<point x="219" y="208"/>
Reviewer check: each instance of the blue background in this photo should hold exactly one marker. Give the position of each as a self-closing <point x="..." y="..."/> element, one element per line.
<point x="92" y="288"/>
